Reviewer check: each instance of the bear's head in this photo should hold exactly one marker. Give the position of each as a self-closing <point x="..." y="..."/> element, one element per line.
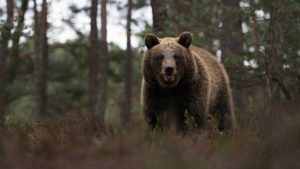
<point x="167" y="59"/>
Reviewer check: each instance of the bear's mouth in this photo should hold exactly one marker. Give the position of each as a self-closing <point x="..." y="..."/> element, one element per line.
<point x="168" y="81"/>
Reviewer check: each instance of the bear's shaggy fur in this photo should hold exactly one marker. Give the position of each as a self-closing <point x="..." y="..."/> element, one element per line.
<point x="179" y="78"/>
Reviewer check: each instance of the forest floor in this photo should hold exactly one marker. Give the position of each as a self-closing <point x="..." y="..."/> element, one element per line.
<point x="72" y="143"/>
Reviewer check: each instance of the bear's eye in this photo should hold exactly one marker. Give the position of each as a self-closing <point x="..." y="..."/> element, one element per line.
<point x="159" y="56"/>
<point x="176" y="56"/>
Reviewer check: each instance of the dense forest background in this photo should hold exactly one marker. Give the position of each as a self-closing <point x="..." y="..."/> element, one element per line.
<point x="57" y="96"/>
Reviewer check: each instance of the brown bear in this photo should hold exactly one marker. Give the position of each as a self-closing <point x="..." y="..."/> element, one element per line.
<point x="178" y="78"/>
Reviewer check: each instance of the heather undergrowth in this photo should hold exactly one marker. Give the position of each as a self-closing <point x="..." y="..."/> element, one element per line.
<point x="76" y="142"/>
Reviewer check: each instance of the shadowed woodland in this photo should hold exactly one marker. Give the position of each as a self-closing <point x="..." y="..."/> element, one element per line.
<point x="76" y="104"/>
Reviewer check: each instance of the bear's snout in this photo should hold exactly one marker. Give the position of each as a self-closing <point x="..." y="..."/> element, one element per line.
<point x="169" y="74"/>
<point x="169" y="71"/>
<point x="169" y="66"/>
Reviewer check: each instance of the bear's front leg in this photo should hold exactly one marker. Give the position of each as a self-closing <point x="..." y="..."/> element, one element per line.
<point x="176" y="117"/>
<point x="180" y="120"/>
<point x="150" y="116"/>
<point x="149" y="107"/>
<point x="197" y="108"/>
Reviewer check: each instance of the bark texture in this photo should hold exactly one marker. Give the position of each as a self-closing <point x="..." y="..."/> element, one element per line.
<point x="127" y="107"/>
<point x="41" y="60"/>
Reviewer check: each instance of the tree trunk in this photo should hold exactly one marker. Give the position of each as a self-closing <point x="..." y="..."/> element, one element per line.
<point x="126" y="112"/>
<point x="160" y="16"/>
<point x="2" y="84"/>
<point x="94" y="60"/>
<point x="14" y="51"/>
<point x="232" y="45"/>
<point x="231" y="37"/>
<point x="40" y="66"/>
<point x="103" y="65"/>
<point x="182" y="20"/>
<point x="5" y="33"/>
<point x="274" y="62"/>
<point x="176" y="5"/>
<point x="255" y="33"/>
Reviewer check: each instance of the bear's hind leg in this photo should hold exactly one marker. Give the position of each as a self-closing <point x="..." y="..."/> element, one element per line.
<point x="224" y="111"/>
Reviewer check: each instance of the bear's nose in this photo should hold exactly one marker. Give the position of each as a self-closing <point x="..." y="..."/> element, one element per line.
<point x="169" y="71"/>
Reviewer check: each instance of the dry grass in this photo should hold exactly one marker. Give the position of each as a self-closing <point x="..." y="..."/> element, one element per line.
<point x="72" y="143"/>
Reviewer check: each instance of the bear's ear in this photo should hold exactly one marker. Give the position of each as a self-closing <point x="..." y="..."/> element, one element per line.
<point x="151" y="40"/>
<point x="185" y="39"/>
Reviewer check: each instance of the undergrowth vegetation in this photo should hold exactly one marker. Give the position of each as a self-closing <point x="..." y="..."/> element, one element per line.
<point x="77" y="142"/>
